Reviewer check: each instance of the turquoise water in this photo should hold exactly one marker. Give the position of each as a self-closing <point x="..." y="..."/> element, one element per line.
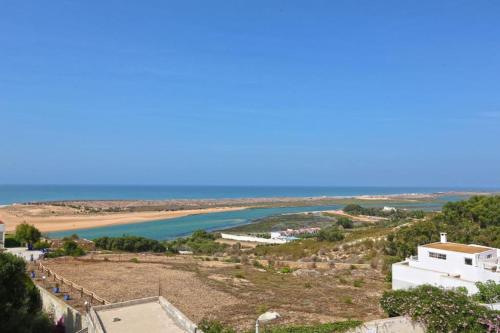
<point x="27" y="193"/>
<point x="182" y="226"/>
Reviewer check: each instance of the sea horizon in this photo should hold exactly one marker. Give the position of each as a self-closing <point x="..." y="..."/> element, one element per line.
<point x="11" y="193"/>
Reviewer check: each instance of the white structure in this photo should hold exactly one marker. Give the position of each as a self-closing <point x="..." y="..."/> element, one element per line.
<point x="448" y="265"/>
<point x="2" y="235"/>
<point x="253" y="239"/>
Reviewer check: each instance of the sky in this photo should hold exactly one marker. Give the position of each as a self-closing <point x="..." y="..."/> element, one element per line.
<point x="388" y="93"/>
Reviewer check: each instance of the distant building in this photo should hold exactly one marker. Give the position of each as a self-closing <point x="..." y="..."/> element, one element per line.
<point x="2" y="235"/>
<point x="448" y="265"/>
<point x="389" y="209"/>
<point x="295" y="232"/>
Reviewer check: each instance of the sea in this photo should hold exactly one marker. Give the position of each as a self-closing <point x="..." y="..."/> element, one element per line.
<point x="183" y="226"/>
<point x="28" y="193"/>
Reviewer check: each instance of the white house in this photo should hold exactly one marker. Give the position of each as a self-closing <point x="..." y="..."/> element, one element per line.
<point x="2" y="235"/>
<point x="448" y="265"/>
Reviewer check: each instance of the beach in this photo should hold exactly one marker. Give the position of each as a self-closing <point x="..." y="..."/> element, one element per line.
<point x="49" y="218"/>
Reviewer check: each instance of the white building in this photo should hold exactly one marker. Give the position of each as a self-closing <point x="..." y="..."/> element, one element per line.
<point x="2" y="235"/>
<point x="448" y="265"/>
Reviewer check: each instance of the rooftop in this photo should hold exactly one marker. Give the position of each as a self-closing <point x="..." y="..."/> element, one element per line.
<point x="456" y="247"/>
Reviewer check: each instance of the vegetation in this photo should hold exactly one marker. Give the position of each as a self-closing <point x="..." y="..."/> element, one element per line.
<point x="20" y="303"/>
<point x="441" y="310"/>
<point x="200" y="242"/>
<point x="40" y="245"/>
<point x="355" y="209"/>
<point x="476" y="220"/>
<point x="129" y="244"/>
<point x="11" y="241"/>
<point x="330" y="234"/>
<point x="284" y="221"/>
<point x="345" y="222"/>
<point x="69" y="248"/>
<point x="215" y="326"/>
<point x="27" y="234"/>
<point x="489" y="292"/>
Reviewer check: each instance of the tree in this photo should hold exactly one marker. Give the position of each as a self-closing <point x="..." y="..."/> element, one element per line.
<point x="20" y="303"/>
<point x="27" y="234"/>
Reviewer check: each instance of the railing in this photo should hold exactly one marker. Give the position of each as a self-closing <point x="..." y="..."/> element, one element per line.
<point x="71" y="284"/>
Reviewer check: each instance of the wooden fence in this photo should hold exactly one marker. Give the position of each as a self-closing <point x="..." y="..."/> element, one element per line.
<point x="71" y="284"/>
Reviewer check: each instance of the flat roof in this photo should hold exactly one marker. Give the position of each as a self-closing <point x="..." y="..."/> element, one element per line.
<point x="147" y="317"/>
<point x="456" y="247"/>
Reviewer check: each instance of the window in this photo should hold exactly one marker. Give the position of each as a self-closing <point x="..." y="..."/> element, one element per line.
<point x="489" y="256"/>
<point x="468" y="261"/>
<point x="437" y="255"/>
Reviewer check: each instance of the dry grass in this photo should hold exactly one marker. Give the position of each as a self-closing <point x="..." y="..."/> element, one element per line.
<point x="232" y="293"/>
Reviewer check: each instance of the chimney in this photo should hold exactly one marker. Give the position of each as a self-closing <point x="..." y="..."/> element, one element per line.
<point x="443" y="237"/>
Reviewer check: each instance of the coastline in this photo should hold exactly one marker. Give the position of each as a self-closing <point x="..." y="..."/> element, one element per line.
<point x="67" y="215"/>
<point x="75" y="222"/>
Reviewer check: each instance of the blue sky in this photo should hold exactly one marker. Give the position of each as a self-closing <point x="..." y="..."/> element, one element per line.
<point x="250" y="92"/>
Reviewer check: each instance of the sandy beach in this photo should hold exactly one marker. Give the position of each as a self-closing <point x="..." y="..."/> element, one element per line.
<point x="53" y="218"/>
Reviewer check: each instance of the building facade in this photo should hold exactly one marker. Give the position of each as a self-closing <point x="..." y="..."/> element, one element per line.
<point x="449" y="265"/>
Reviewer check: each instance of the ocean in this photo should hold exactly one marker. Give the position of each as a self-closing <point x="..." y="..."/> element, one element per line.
<point x="28" y="193"/>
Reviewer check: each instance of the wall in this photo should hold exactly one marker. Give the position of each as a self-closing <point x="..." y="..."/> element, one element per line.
<point x="253" y="239"/>
<point x="73" y="320"/>
<point x="390" y="325"/>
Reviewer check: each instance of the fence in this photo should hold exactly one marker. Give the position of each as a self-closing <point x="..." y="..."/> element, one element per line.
<point x="71" y="284"/>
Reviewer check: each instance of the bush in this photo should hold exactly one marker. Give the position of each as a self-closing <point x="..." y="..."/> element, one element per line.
<point x="200" y="242"/>
<point x="129" y="244"/>
<point x="69" y="248"/>
<point x="330" y="234"/>
<point x="440" y="310"/>
<point x="340" y="326"/>
<point x="40" y="245"/>
<point x="345" y="222"/>
<point x="11" y="241"/>
<point x="489" y="292"/>
<point x="214" y="326"/>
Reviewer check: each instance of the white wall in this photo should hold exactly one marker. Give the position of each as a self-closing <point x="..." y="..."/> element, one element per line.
<point x="253" y="239"/>
<point x="2" y="235"/>
<point x="455" y="264"/>
<point x="404" y="277"/>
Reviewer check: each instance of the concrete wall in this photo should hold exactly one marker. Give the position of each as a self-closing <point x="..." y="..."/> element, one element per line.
<point x="73" y="320"/>
<point x="253" y="239"/>
<point x="390" y="325"/>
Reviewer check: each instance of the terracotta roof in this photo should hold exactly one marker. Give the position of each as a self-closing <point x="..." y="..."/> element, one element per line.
<point x="1" y="222"/>
<point x="456" y="247"/>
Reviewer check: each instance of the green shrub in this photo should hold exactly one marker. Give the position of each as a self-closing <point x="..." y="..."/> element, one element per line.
<point x="340" y="326"/>
<point x="345" y="222"/>
<point x="440" y="310"/>
<point x="214" y="326"/>
<point x="330" y="234"/>
<point x="11" y="241"/>
<point x="489" y="292"/>
<point x="129" y="244"/>
<point x="40" y="245"/>
<point x="286" y="270"/>
<point x="134" y="260"/>
<point x="69" y="248"/>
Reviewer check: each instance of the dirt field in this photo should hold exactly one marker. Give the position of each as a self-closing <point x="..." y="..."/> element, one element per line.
<point x="232" y="293"/>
